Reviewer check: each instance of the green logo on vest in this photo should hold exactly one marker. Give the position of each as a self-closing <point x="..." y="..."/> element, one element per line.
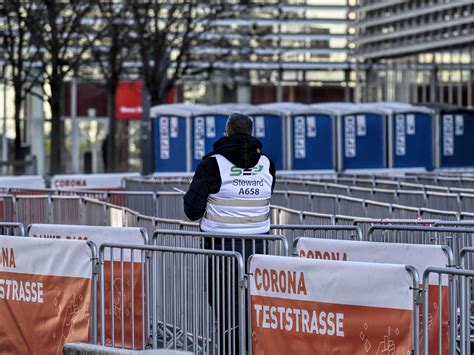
<point x="236" y="171"/>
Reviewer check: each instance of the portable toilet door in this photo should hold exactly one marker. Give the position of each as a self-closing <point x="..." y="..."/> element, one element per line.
<point x="310" y="136"/>
<point x="455" y="136"/>
<point x="171" y="136"/>
<point x="269" y="128"/>
<point x="208" y="126"/>
<point x="410" y="135"/>
<point x="360" y="134"/>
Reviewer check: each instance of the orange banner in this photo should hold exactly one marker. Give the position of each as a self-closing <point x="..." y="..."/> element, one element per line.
<point x="130" y="310"/>
<point x="284" y="326"/>
<point x="39" y="314"/>
<point x="433" y="320"/>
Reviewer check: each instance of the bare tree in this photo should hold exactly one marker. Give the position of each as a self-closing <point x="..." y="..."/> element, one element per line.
<point x="64" y="30"/>
<point x="169" y="34"/>
<point x="21" y="55"/>
<point x="110" y="52"/>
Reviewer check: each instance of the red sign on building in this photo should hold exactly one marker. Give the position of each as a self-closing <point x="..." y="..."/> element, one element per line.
<point x="128" y="100"/>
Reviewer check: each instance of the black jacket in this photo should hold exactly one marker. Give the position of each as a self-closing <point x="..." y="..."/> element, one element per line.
<point x="242" y="150"/>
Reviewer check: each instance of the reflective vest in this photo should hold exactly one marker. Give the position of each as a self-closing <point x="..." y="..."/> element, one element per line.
<point x="242" y="205"/>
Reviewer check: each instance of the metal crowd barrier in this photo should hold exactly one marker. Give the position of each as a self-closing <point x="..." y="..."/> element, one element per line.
<point x="366" y="223"/>
<point x="7" y="208"/>
<point x="466" y="258"/>
<point x="294" y="231"/>
<point x="157" y="184"/>
<point x="419" y="196"/>
<point x="164" y="204"/>
<point x="246" y="245"/>
<point x="301" y="207"/>
<point x="215" y="322"/>
<point x="456" y="238"/>
<point x="356" y="207"/>
<point x="12" y="228"/>
<point x="459" y="276"/>
<point x="284" y="215"/>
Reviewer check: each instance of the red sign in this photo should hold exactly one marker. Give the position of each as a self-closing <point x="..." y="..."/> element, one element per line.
<point x="128" y="100"/>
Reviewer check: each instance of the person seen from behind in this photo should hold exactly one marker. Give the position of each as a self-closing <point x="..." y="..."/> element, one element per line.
<point x="230" y="193"/>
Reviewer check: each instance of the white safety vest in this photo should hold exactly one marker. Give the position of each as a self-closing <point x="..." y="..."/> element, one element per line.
<point x="242" y="205"/>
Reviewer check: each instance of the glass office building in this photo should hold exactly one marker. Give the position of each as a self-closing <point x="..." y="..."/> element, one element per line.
<point x="415" y="51"/>
<point x="291" y="50"/>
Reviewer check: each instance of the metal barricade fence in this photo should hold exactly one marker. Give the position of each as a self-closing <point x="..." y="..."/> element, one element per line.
<point x="283" y="215"/>
<point x="24" y="191"/>
<point x="461" y="327"/>
<point x="7" y="208"/>
<point x="466" y="202"/>
<point x="157" y="184"/>
<point x="32" y="209"/>
<point x="93" y="194"/>
<point x="466" y="215"/>
<point x="215" y="322"/>
<point x="146" y="222"/>
<point x="170" y="205"/>
<point x="115" y="215"/>
<point x="141" y="202"/>
<point x="294" y="231"/>
<point x="419" y="198"/>
<point x="456" y="238"/>
<point x="466" y="258"/>
<point x="411" y="198"/>
<point x="462" y="223"/>
<point x="94" y="212"/>
<point x="12" y="228"/>
<point x="365" y="223"/>
<point x="408" y="194"/>
<point x="444" y="201"/>
<point x="245" y="245"/>
<point x="65" y="210"/>
<point x="344" y="220"/>
<point x="429" y="213"/>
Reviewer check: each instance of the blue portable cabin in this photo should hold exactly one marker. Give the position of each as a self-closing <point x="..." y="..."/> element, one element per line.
<point x="454" y="136"/>
<point x="361" y="135"/>
<point x="410" y="135"/>
<point x="311" y="136"/>
<point x="171" y="126"/>
<point x="208" y="126"/>
<point x="269" y="128"/>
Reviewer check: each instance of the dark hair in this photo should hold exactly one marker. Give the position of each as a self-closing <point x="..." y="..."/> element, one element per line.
<point x="238" y="123"/>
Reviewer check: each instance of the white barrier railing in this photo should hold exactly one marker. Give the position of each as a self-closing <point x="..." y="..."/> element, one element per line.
<point x="443" y="325"/>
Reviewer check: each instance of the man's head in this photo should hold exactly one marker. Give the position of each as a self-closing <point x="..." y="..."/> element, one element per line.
<point x="238" y="123"/>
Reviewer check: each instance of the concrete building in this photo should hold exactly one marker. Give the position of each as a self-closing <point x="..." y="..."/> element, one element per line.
<point x="415" y="51"/>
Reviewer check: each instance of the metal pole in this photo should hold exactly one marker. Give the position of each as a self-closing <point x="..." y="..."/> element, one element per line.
<point x="4" y="128"/>
<point x="450" y="79"/>
<point x="461" y="78"/>
<point x="470" y="74"/>
<point x="279" y="93"/>
<point x="75" y="154"/>
<point x="147" y="143"/>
